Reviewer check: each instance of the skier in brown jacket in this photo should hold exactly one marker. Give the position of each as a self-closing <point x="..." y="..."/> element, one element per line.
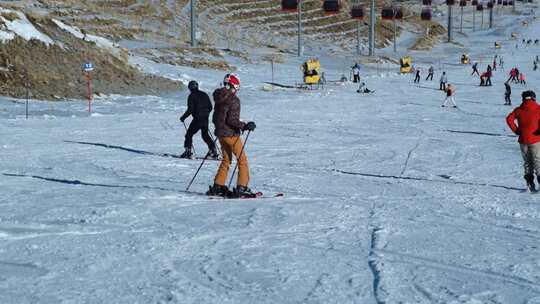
<point x="226" y="119"/>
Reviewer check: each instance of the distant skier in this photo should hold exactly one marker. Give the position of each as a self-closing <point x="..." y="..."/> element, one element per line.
<point x="449" y="96"/>
<point x="507" y="94"/>
<point x="488" y="77"/>
<point x="535" y="65"/>
<point x="417" y="77"/>
<point x="527" y="128"/>
<point x="356" y="73"/>
<point x="522" y="78"/>
<point x="430" y="73"/>
<point x="495" y="63"/>
<point x="228" y="125"/>
<point x="501" y="62"/>
<point x="483" y="79"/>
<point x="475" y="69"/>
<point x="363" y="89"/>
<point x="199" y="106"/>
<point x="513" y="75"/>
<point x="443" y="81"/>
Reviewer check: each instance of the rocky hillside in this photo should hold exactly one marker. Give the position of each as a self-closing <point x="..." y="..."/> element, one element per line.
<point x="46" y="55"/>
<point x="224" y="24"/>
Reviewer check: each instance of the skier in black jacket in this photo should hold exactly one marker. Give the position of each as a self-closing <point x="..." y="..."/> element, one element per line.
<point x="199" y="106"/>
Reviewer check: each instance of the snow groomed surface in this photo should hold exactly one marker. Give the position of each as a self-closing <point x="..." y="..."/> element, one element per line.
<point x="389" y="197"/>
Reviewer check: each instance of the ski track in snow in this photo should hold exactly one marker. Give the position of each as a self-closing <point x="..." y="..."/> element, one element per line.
<point x="389" y="198"/>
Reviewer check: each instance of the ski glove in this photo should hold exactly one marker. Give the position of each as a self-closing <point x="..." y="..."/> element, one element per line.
<point x="250" y="126"/>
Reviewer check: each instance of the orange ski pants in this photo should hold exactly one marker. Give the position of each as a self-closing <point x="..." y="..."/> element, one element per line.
<point x="229" y="146"/>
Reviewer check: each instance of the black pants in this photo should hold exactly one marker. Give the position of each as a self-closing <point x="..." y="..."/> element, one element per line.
<point x="507" y="99"/>
<point x="442" y="86"/>
<point x="417" y="78"/>
<point x="429" y="76"/>
<point x="194" y="127"/>
<point x="488" y="81"/>
<point x="356" y="78"/>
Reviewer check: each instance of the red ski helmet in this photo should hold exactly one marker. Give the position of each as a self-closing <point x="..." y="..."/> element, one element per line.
<point x="233" y="81"/>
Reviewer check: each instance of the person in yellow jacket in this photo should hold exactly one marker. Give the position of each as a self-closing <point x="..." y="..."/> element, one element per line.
<point x="228" y="126"/>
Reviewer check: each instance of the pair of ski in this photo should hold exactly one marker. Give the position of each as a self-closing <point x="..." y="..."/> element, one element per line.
<point x="256" y="195"/>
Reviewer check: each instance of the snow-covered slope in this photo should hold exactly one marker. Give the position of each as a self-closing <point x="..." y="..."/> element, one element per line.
<point x="389" y="198"/>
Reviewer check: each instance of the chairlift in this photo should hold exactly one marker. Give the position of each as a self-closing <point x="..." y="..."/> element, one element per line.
<point x="505" y="3"/>
<point x="474" y="2"/>
<point x="387" y="13"/>
<point x="462" y="3"/>
<point x="450" y="2"/>
<point x="480" y="7"/>
<point x="490" y="4"/>
<point x="499" y="2"/>
<point x="289" y="5"/>
<point x="331" y="7"/>
<point x="357" y="12"/>
<point x="511" y="2"/>
<point x="426" y="2"/>
<point x="425" y="14"/>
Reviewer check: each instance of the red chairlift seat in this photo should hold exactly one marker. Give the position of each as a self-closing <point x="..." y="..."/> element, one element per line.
<point x="426" y="14"/>
<point x="357" y="12"/>
<point x="289" y="5"/>
<point x="331" y="7"/>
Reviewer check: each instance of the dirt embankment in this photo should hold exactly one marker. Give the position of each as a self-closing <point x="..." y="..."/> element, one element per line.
<point x="54" y="71"/>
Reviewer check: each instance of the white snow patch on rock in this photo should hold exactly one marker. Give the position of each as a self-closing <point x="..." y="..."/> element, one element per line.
<point x="21" y="27"/>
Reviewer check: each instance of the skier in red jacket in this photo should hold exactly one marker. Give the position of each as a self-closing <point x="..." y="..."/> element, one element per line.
<point x="528" y="117"/>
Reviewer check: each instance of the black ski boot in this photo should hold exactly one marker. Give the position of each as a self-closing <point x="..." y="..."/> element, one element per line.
<point x="188" y="153"/>
<point x="529" y="178"/>
<point x="218" y="190"/>
<point x="212" y="154"/>
<point x="243" y="192"/>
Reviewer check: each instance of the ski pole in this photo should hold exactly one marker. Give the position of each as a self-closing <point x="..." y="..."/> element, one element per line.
<point x="199" y="169"/>
<point x="192" y="146"/>
<point x="212" y="137"/>
<point x="239" y="156"/>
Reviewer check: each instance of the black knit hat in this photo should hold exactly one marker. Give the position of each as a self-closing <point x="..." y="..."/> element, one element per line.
<point x="193" y="85"/>
<point x="528" y="95"/>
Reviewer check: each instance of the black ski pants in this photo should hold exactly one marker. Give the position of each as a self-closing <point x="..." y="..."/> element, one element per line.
<point x="356" y="78"/>
<point x="488" y="81"/>
<point x="417" y="78"/>
<point x="442" y="86"/>
<point x="507" y="100"/>
<point x="194" y="127"/>
<point x="429" y="76"/>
